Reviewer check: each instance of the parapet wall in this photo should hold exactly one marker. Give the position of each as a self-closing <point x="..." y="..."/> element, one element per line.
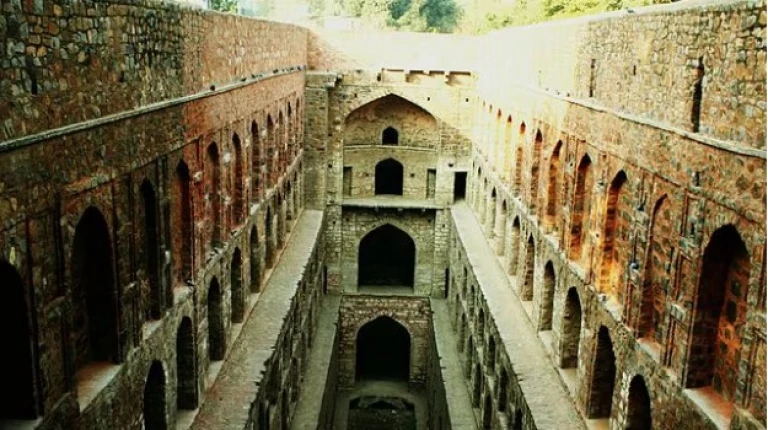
<point x="646" y="63"/>
<point x="66" y="62"/>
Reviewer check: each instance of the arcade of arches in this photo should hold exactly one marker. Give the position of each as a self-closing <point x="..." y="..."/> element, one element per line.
<point x="266" y="227"/>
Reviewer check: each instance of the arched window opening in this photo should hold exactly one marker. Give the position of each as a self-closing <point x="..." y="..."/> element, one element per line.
<point x="94" y="294"/>
<point x="571" y="337"/>
<point x="447" y="283"/>
<point x="638" y="406"/>
<point x="603" y="377"/>
<point x="491" y="360"/>
<point x="154" y="399"/>
<point x="517" y="423"/>
<point x="269" y="256"/>
<point x="151" y="250"/>
<point x="237" y="194"/>
<point x="186" y="380"/>
<point x="526" y="290"/>
<point x="487" y="412"/>
<point x="214" y="191"/>
<point x="216" y="336"/>
<point x="477" y="386"/>
<point x="390" y="136"/>
<point x="470" y="355"/>
<point x="611" y="268"/>
<point x="18" y="386"/>
<point x="236" y="284"/>
<point x="581" y="203"/>
<point x="387" y="257"/>
<point x="547" y="296"/>
<point x="389" y="177"/>
<point x="535" y="155"/>
<point x="491" y="226"/>
<point x="501" y="228"/>
<point x="698" y="94"/>
<point x="553" y="188"/>
<point x="514" y="246"/>
<point x="255" y="261"/>
<point x="503" y="387"/>
<point x="184" y="204"/>
<point x="654" y="303"/>
<point x="481" y="326"/>
<point x="269" y="163"/>
<point x="719" y="314"/>
<point x="383" y="351"/>
<point x="255" y="162"/>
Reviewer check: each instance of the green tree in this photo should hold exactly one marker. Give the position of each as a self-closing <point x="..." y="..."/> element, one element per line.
<point x="224" y="5"/>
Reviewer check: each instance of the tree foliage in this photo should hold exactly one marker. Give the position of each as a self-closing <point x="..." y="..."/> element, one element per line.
<point x="224" y="5"/>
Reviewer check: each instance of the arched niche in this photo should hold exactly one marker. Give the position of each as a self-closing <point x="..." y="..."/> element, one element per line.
<point x="415" y="126"/>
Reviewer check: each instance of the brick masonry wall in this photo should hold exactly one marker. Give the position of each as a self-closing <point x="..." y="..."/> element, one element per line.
<point x="64" y="63"/>
<point x="413" y="313"/>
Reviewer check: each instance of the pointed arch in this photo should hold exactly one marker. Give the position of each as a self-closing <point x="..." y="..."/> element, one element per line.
<point x="151" y="247"/>
<point x="570" y="339"/>
<point x="236" y="285"/>
<point x="611" y="268"/>
<point x="654" y="304"/>
<point x="383" y="350"/>
<point x="270" y="149"/>
<point x="255" y="261"/>
<point x="547" y="296"/>
<point x="719" y="314"/>
<point x="269" y="244"/>
<point x="603" y="377"/>
<point x="183" y="219"/>
<point x="18" y="386"/>
<point x="390" y="136"/>
<point x="256" y="162"/>
<point x="389" y="177"/>
<point x="514" y="246"/>
<point x="553" y="188"/>
<point x="217" y="338"/>
<point x="214" y="191"/>
<point x="526" y="289"/>
<point x="186" y="366"/>
<point x="581" y="207"/>
<point x="638" y="406"/>
<point x="487" y="412"/>
<point x="492" y="208"/>
<point x="503" y="389"/>
<point x="535" y="161"/>
<point x="519" y="159"/>
<point x="386" y="256"/>
<point x="155" y="410"/>
<point x="413" y="124"/>
<point x="94" y="293"/>
<point x="238" y="185"/>
<point x="501" y="228"/>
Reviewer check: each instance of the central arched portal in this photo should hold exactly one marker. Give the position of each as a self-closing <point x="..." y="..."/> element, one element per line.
<point x="389" y="177"/>
<point x="383" y="351"/>
<point x="387" y="257"/>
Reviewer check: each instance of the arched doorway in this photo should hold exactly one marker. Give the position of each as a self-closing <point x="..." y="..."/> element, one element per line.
<point x="547" y="296"/>
<point x="255" y="261"/>
<point x="18" y="384"/>
<point x="383" y="350"/>
<point x="151" y="250"/>
<point x="638" y="406"/>
<point x="154" y="399"/>
<point x="186" y="381"/>
<point x="389" y="177"/>
<point x="216" y="335"/>
<point x="387" y="257"/>
<point x="571" y="337"/>
<point x="603" y="377"/>
<point x="94" y="293"/>
<point x="236" y="286"/>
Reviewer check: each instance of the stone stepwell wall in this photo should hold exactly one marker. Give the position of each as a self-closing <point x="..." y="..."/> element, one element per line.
<point x="66" y="62"/>
<point x="647" y="63"/>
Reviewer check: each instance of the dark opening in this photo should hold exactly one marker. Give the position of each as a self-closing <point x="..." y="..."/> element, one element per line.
<point x="719" y="314"/>
<point x="459" y="186"/>
<point x="238" y="200"/>
<point x="447" y="283"/>
<point x="236" y="284"/>
<point x="389" y="177"/>
<point x="503" y="383"/>
<point x="383" y="350"/>
<point x="592" y="77"/>
<point x="94" y="293"/>
<point x="151" y="250"/>
<point x="639" y="406"/>
<point x="154" y="398"/>
<point x="477" y="387"/>
<point x="185" y="219"/>
<point x="603" y="377"/>
<point x="526" y="292"/>
<point x="325" y="280"/>
<point x="216" y="335"/>
<point x="517" y="423"/>
<point x="381" y="413"/>
<point x="17" y="388"/>
<point x="186" y="383"/>
<point x="268" y="240"/>
<point x="487" y="412"/>
<point x="387" y="256"/>
<point x="547" y="296"/>
<point x="213" y="192"/>
<point x="255" y="162"/>
<point x="255" y="261"/>
<point x="698" y="93"/>
<point x="571" y="330"/>
<point x="580" y="207"/>
<point x="390" y="136"/>
<point x="347" y="181"/>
